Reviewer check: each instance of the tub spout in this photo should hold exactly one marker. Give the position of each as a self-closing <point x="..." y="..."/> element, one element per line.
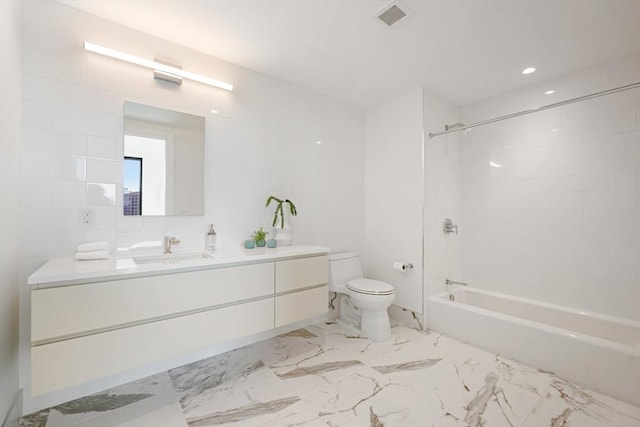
<point x="448" y="283"/>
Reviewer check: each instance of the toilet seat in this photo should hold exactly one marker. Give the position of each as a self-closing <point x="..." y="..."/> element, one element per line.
<point x="369" y="287"/>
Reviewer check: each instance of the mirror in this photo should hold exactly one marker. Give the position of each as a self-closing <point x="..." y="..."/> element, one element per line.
<point x="163" y="162"/>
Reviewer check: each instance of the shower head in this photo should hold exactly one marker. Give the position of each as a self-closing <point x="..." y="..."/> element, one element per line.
<point x="453" y="126"/>
<point x="458" y="126"/>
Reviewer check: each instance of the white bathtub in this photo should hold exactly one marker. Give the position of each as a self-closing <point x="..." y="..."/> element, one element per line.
<point x="600" y="352"/>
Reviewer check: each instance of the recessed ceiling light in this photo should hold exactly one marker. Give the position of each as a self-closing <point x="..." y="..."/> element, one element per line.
<point x="319" y="142"/>
<point x="549" y="92"/>
<point x="528" y="70"/>
<point x="214" y="111"/>
<point x="554" y="130"/>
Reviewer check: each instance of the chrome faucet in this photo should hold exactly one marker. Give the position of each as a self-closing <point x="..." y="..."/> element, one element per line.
<point x="169" y="242"/>
<point x="449" y="283"/>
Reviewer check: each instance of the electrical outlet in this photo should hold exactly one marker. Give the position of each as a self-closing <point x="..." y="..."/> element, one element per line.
<point x="87" y="217"/>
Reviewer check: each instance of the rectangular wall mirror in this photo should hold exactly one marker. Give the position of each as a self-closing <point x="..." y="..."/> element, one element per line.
<point x="163" y="162"/>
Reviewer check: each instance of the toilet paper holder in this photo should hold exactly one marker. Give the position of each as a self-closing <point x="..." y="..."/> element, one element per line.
<point x="401" y="266"/>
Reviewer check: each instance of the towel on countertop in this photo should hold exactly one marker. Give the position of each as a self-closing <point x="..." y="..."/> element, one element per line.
<point x="85" y="256"/>
<point x="93" y="246"/>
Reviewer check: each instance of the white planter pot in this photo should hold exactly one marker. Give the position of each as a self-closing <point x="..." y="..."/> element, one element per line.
<point x="284" y="236"/>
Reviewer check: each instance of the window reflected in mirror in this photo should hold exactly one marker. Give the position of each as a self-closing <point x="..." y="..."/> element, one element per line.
<point x="163" y="162"/>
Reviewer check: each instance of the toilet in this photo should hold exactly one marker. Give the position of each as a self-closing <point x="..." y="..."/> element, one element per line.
<point x="363" y="302"/>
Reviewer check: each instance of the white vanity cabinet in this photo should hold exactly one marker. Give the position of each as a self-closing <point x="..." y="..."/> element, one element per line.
<point x="85" y="330"/>
<point x="63" y="312"/>
<point x="301" y="290"/>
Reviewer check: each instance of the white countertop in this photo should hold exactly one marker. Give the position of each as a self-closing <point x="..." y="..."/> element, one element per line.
<point x="64" y="272"/>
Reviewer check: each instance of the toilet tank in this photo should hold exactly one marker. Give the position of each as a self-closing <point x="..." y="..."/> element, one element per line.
<point x="343" y="267"/>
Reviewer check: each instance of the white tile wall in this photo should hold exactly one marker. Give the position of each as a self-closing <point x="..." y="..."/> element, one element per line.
<point x="10" y="195"/>
<point x="393" y="206"/>
<point x="559" y="220"/>
<point x="441" y="196"/>
<point x="261" y="143"/>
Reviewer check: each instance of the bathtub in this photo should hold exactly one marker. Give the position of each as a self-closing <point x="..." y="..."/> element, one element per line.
<point x="597" y="351"/>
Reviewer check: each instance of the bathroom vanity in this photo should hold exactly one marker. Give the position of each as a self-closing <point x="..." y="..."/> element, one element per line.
<point x="91" y="319"/>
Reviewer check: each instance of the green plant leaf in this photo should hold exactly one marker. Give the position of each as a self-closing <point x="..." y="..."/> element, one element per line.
<point x="259" y="235"/>
<point x="278" y="215"/>
<point x="292" y="208"/>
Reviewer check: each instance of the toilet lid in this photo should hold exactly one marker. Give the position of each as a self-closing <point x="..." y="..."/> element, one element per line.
<point x="369" y="287"/>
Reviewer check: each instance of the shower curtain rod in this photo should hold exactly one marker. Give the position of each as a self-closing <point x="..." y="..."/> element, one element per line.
<point x="536" y="109"/>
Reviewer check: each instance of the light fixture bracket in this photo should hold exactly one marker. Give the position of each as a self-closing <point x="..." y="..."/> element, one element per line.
<point x="165" y="77"/>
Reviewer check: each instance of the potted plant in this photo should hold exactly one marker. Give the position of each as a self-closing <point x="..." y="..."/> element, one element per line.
<point x="283" y="232"/>
<point x="259" y="236"/>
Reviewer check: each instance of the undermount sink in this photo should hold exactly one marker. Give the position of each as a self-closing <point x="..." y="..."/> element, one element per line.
<point x="171" y="258"/>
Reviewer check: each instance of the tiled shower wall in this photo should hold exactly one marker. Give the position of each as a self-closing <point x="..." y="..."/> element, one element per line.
<point x="551" y="200"/>
<point x="262" y="142"/>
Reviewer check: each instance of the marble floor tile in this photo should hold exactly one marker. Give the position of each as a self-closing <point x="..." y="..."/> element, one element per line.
<point x="196" y="379"/>
<point x="116" y="404"/>
<point x="339" y="337"/>
<point x="296" y="414"/>
<point x="325" y="376"/>
<point x="260" y="392"/>
<point x="438" y="381"/>
<point x="402" y="317"/>
<point x="470" y="362"/>
<point x="564" y="403"/>
<point x="250" y="414"/>
<point x="288" y="345"/>
<point x="626" y="415"/>
<point x="305" y="373"/>
<point x="629" y="410"/>
<point x="498" y="403"/>
<point x="449" y="420"/>
<point x="348" y="399"/>
<point x="37" y="419"/>
<point x="624" y="420"/>
<point x="169" y="416"/>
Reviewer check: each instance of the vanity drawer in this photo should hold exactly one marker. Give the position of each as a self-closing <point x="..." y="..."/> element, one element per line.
<point x="302" y="273"/>
<point x="301" y="305"/>
<point x="80" y="309"/>
<point x="67" y="363"/>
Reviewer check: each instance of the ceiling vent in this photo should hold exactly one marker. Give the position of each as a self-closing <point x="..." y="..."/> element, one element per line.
<point x="393" y="14"/>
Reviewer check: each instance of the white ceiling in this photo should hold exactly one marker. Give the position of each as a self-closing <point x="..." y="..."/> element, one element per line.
<point x="463" y="50"/>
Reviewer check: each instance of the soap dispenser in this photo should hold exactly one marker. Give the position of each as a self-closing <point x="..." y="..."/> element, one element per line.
<point x="211" y="240"/>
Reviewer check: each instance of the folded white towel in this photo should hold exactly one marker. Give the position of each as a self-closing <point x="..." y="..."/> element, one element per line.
<point x="85" y="256"/>
<point x="93" y="246"/>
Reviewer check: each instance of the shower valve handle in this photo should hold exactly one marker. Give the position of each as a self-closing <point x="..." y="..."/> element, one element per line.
<point x="448" y="226"/>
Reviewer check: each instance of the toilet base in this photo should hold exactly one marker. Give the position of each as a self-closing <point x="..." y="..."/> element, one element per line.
<point x="348" y="326"/>
<point x="369" y="321"/>
<point x="375" y="325"/>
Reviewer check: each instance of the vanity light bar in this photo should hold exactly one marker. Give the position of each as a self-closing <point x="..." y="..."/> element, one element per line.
<point x="156" y="66"/>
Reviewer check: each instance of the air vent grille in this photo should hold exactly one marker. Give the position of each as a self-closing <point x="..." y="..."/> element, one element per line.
<point x="391" y="15"/>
